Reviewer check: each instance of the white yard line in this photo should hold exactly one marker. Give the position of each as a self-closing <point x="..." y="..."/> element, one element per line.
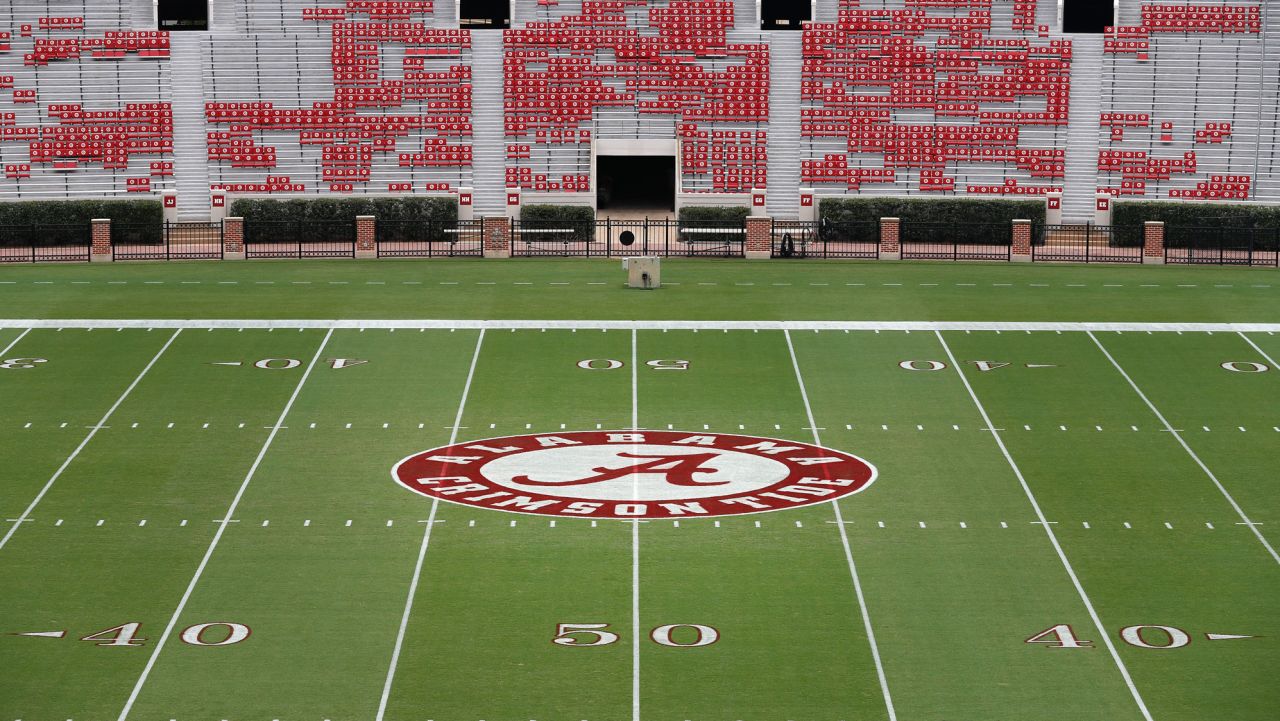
<point x="1261" y="352"/>
<point x="222" y="528"/>
<point x="635" y="543"/>
<point x="465" y="324"/>
<point x="1103" y="632"/>
<point x="9" y="347"/>
<point x="1182" y="442"/>
<point x="93" y="431"/>
<point x="426" y="541"/>
<point x="844" y="540"/>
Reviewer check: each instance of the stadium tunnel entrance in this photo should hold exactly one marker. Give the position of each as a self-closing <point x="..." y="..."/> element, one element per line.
<point x="636" y="186"/>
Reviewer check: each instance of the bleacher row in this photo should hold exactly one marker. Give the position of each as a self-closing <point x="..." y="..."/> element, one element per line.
<point x="1183" y="110"/>
<point x="897" y="96"/>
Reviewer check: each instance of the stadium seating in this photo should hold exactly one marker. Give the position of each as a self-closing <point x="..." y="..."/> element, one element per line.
<point x="639" y="69"/>
<point x="332" y="113"/>
<point x="1182" y="105"/>
<point x="941" y="96"/>
<point x="84" y="108"/>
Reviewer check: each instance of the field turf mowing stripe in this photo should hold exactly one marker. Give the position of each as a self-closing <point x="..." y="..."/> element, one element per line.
<point x="955" y="573"/>
<point x="776" y="585"/>
<point x="1227" y="419"/>
<point x="562" y="288"/>
<point x="93" y="431"/>
<point x="495" y="585"/>
<point x="221" y="529"/>
<point x="1152" y="539"/>
<point x="320" y="562"/>
<point x="844" y="540"/>
<point x="116" y="538"/>
<point x="1177" y="435"/>
<point x="49" y="405"/>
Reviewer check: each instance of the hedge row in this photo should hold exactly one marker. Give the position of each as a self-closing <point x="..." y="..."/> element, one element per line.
<point x="930" y="210"/>
<point x="715" y="213"/>
<point x="345" y="209"/>
<point x="47" y="213"/>
<point x="1127" y="217"/>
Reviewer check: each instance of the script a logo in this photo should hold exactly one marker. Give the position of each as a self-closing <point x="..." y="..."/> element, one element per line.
<point x="634" y="474"/>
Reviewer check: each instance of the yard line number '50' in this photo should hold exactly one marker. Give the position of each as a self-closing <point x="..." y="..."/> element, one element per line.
<point x="609" y="364"/>
<point x="674" y="635"/>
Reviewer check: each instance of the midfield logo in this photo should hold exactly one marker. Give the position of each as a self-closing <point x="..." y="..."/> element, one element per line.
<point x="634" y="474"/>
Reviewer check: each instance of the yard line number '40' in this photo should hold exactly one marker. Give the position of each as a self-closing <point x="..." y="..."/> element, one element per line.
<point x="1142" y="636"/>
<point x="217" y="633"/>
<point x="674" y="635"/>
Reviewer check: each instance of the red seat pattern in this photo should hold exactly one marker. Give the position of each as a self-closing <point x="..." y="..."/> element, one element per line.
<point x="557" y="74"/>
<point x="71" y="136"/>
<point x="355" y="126"/>
<point x="1202" y="18"/>
<point x="860" y="72"/>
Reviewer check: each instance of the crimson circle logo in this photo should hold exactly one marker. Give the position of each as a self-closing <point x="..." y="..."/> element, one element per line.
<point x="634" y="474"/>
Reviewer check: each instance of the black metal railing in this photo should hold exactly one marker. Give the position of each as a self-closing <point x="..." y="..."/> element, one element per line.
<point x="430" y="239"/>
<point x="45" y="243"/>
<point x="1082" y="244"/>
<point x="300" y="239"/>
<point x="138" y="241"/>
<point x="609" y="238"/>
<point x="956" y="241"/>
<point x="825" y="239"/>
<point x="1218" y="245"/>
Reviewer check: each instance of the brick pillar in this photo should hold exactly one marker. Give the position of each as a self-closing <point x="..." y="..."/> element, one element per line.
<point x="889" y="248"/>
<point x="759" y="242"/>
<point x="1021" y="252"/>
<point x="233" y="238"/>
<point x="100" y="242"/>
<point x="1153" y="242"/>
<point x="497" y="237"/>
<point x="366" y="236"/>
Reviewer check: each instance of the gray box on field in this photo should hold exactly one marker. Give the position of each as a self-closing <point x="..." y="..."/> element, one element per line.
<point x="643" y="272"/>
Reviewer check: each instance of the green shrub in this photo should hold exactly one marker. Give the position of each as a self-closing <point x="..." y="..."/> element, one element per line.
<point x="1127" y="217"/>
<point x="80" y="212"/>
<point x="431" y="209"/>
<point x="579" y="218"/>
<point x="930" y="210"/>
<point x="715" y="213"/>
<point x="935" y="220"/>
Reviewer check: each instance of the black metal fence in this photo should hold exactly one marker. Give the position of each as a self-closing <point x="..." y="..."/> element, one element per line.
<point x="300" y="239"/>
<point x="956" y="241"/>
<point x="609" y="238"/>
<point x="170" y="241"/>
<point x="1187" y="245"/>
<point x="1082" y="244"/>
<point x="430" y="239"/>
<point x="45" y="243"/>
<point x="824" y="239"/>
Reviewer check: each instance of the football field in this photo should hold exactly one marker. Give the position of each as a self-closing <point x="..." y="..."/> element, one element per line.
<point x="1038" y="516"/>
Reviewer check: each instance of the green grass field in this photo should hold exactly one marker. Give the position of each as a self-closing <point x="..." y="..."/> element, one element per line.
<point x="1071" y="521"/>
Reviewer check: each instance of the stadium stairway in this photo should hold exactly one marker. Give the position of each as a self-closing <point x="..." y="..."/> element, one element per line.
<point x="144" y="15"/>
<point x="489" y="161"/>
<point x="1082" y="135"/>
<point x="784" y="124"/>
<point x="190" y="152"/>
<point x="222" y="16"/>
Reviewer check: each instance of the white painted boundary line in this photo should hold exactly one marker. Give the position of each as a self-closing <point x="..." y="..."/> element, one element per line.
<point x="844" y="539"/>
<point x="426" y="541"/>
<point x="9" y="347"/>
<point x="635" y="543"/>
<point x="1182" y="442"/>
<point x="799" y="325"/>
<point x="92" y="432"/>
<point x="1261" y="352"/>
<point x="222" y="528"/>
<point x="1048" y="530"/>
